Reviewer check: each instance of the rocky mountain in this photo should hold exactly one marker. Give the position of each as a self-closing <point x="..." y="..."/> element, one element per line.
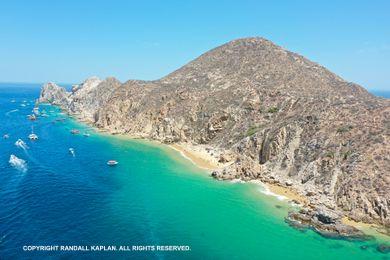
<point x="265" y="113"/>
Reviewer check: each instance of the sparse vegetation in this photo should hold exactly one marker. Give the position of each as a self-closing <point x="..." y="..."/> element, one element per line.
<point x="344" y="129"/>
<point x="252" y="130"/>
<point x="273" y="110"/>
<point x="346" y="154"/>
<point x="330" y="154"/>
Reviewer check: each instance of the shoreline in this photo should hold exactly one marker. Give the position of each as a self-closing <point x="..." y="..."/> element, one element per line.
<point x="199" y="157"/>
<point x="202" y="159"/>
<point x="369" y="229"/>
<point x="282" y="193"/>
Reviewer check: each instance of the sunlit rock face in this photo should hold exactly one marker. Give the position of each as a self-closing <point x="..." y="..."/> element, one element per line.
<point x="267" y="114"/>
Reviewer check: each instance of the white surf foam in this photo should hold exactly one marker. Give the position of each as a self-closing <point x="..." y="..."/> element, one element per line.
<point x="18" y="163"/>
<point x="265" y="190"/>
<point x="237" y="181"/>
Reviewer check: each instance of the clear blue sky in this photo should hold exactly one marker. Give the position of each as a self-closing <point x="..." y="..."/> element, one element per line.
<point x="69" y="40"/>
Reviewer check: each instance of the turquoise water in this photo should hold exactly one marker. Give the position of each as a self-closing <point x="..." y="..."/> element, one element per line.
<point x="152" y="197"/>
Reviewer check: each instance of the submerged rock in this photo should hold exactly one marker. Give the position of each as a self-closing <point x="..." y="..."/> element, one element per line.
<point x="327" y="224"/>
<point x="384" y="248"/>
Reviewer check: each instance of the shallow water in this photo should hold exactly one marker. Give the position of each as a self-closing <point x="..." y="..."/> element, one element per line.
<point x="152" y="197"/>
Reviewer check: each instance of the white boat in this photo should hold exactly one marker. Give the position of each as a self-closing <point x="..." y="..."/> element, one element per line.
<point x="74" y="131"/>
<point x="71" y="151"/>
<point x="86" y="134"/>
<point x="112" y="163"/>
<point x="5" y="136"/>
<point x="36" y="110"/>
<point x="20" y="143"/>
<point x="32" y="136"/>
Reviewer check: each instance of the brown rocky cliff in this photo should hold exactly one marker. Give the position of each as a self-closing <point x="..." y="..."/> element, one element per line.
<point x="275" y="116"/>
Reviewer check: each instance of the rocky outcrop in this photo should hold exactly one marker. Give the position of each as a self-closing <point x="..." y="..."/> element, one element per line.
<point x="324" y="222"/>
<point x="267" y="114"/>
<point x="84" y="100"/>
<point x="54" y="94"/>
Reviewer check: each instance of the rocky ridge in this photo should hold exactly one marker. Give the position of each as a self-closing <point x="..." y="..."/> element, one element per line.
<point x="266" y="114"/>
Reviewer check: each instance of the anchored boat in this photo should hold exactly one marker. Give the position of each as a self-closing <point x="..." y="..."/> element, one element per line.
<point x="71" y="151"/>
<point x="32" y="136"/>
<point x="75" y="131"/>
<point x="112" y="163"/>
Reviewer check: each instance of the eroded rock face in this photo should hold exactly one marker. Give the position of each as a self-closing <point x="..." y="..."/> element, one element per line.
<point x="84" y="100"/>
<point x="54" y="94"/>
<point x="276" y="116"/>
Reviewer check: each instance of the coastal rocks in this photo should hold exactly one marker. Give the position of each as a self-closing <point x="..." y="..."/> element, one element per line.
<point x="52" y="93"/>
<point x="84" y="100"/>
<point x="89" y="96"/>
<point x="242" y="168"/>
<point x="226" y="157"/>
<point x="324" y="222"/>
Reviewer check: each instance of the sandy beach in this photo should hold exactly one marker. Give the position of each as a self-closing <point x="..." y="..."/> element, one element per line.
<point x="289" y="193"/>
<point x="198" y="156"/>
<point x="201" y="158"/>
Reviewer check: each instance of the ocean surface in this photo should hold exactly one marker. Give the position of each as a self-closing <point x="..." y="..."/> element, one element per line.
<point x="153" y="197"/>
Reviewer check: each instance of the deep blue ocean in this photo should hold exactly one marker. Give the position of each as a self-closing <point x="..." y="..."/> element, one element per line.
<point x="153" y="197"/>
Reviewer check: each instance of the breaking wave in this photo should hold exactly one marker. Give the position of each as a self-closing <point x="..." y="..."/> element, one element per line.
<point x="266" y="190"/>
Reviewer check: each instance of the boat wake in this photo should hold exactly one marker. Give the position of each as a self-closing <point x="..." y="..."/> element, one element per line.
<point x="21" y="144"/>
<point x="18" y="163"/>
<point x="12" y="111"/>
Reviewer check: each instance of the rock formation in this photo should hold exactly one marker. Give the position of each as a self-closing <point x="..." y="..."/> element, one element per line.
<point x="267" y="114"/>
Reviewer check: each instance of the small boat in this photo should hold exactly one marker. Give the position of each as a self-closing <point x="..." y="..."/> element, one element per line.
<point x="112" y="163"/>
<point x="86" y="134"/>
<point x="32" y="117"/>
<point x="32" y="136"/>
<point x="5" y="136"/>
<point x="36" y="110"/>
<point x="71" y="151"/>
<point x="75" y="131"/>
<point x="20" y="143"/>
